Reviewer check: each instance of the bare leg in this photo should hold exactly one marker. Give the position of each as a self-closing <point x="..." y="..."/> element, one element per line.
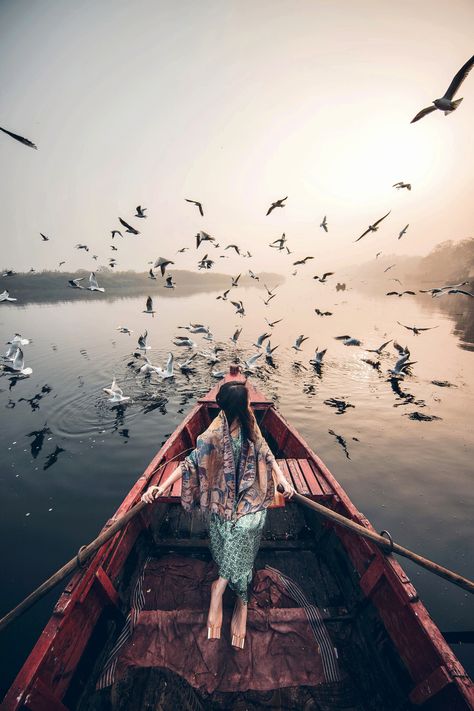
<point x="238" y="625"/>
<point x="214" y="617"/>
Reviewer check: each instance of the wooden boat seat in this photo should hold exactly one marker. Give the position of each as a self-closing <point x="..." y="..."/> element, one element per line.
<point x="303" y="474"/>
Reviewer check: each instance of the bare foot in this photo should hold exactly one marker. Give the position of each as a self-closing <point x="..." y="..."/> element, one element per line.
<point x="214" y="618"/>
<point x="238" y="625"/>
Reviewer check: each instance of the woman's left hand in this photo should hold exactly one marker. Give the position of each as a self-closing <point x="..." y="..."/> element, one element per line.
<point x="288" y="489"/>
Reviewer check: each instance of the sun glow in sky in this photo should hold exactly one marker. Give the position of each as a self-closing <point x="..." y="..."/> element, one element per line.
<point x="235" y="104"/>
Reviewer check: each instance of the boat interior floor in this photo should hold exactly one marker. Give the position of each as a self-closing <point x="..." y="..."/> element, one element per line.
<point x="295" y="542"/>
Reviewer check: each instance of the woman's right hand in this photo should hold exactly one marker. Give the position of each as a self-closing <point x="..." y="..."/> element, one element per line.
<point x="152" y="493"/>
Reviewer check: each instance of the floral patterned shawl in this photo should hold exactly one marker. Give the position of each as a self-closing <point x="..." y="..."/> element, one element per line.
<point x="209" y="475"/>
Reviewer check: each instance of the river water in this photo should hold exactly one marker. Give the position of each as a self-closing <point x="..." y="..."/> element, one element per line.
<point x="68" y="456"/>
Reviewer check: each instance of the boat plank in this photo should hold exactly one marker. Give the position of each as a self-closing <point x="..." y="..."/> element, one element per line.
<point x="298" y="479"/>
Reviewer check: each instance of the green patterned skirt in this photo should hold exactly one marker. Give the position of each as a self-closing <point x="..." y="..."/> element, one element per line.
<point x="234" y="547"/>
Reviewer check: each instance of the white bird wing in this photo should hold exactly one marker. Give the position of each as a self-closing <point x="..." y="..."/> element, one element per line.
<point x="18" y="360"/>
<point x="93" y="281"/>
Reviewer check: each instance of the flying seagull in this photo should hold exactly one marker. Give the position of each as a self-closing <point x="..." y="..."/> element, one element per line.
<point x="5" y="296"/>
<point x="403" y="231"/>
<point x="25" y="141"/>
<point x="455" y="291"/>
<point x="299" y="341"/>
<point x="374" y="227"/>
<point x="323" y="313"/>
<point x="348" y="340"/>
<point x="141" y="211"/>
<point x="82" y="246"/>
<point x="115" y="232"/>
<point x="317" y="359"/>
<point x="45" y="239"/>
<point x="446" y="103"/>
<point x="203" y="237"/>
<point x="169" y="283"/>
<point x="302" y="261"/>
<point x="388" y="268"/>
<point x="198" y="205"/>
<point x="235" y="337"/>
<point x="149" y="307"/>
<point x="272" y="323"/>
<point x="235" y="280"/>
<point x="93" y="285"/>
<point x="416" y="329"/>
<point x="18" y="364"/>
<point x="151" y="275"/>
<point x="379" y="349"/>
<point x="162" y="263"/>
<point x="324" y="224"/>
<point x="128" y="228"/>
<point x="261" y="339"/>
<point x="74" y="283"/>
<point x="401" y="185"/>
<point x="116" y="393"/>
<point x="324" y="277"/>
<point x="142" y="345"/>
<point x="278" y="203"/>
<point x="239" y="307"/>
<point x="400" y="293"/>
<point x="124" y="329"/>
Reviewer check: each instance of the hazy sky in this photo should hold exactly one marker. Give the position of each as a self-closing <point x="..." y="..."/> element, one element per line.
<point x="235" y="104"/>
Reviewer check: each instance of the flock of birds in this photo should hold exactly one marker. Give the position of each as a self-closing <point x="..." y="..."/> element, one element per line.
<point x="14" y="361"/>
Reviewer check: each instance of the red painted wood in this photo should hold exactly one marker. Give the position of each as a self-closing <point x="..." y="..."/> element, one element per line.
<point x="430" y="686"/>
<point x="105" y="584"/>
<point x="282" y="463"/>
<point x="40" y="698"/>
<point x="311" y="481"/>
<point x="300" y="483"/>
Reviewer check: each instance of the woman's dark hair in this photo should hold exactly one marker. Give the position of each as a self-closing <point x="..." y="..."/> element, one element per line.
<point x="233" y="399"/>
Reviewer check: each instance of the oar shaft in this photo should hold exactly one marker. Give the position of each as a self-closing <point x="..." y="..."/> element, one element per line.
<point x="384" y="544"/>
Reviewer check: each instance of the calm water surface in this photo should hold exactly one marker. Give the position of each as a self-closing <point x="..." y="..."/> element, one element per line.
<point x="68" y="456"/>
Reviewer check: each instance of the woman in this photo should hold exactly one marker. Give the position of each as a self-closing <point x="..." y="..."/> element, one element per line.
<point x="229" y="476"/>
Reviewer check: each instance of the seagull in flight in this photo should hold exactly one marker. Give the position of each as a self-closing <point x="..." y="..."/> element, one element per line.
<point x="239" y="307"/>
<point x="302" y="261"/>
<point x="416" y="329"/>
<point x="374" y="227"/>
<point x="278" y="203"/>
<point x="186" y="366"/>
<point x="403" y="231"/>
<point x="74" y="283"/>
<point x="93" y="285"/>
<point x="253" y="276"/>
<point x="18" y="364"/>
<point x="169" y="282"/>
<point x="116" y="393"/>
<point x="324" y="277"/>
<point x="261" y="339"/>
<point x="235" y="280"/>
<point x="128" y="228"/>
<point x="455" y="291"/>
<point x="233" y="246"/>
<point x="401" y="185"/>
<point x="124" y="329"/>
<point x="400" y="293"/>
<point x="203" y="237"/>
<point x="324" y="224"/>
<point x="348" y="340"/>
<point x="388" y="268"/>
<point x="273" y="323"/>
<point x="149" y="307"/>
<point x="235" y="337"/>
<point x="115" y="232"/>
<point x="141" y="211"/>
<point x="317" y="359"/>
<point x="82" y="246"/>
<point x="323" y="313"/>
<point x="184" y="341"/>
<point x="446" y="103"/>
<point x="198" y="205"/>
<point x="151" y="275"/>
<point x="297" y="344"/>
<point x="224" y="295"/>
<point x="45" y="239"/>
<point x="162" y="263"/>
<point x="379" y="349"/>
<point x="250" y="363"/>
<point x="21" y="139"/>
<point x="142" y="344"/>
<point x="279" y="243"/>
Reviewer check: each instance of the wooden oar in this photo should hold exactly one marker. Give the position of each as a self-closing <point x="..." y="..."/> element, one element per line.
<point x="78" y="561"/>
<point x="388" y="546"/>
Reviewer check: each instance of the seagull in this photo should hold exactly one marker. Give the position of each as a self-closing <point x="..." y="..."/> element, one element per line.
<point x="323" y="313"/>
<point x="169" y="283"/>
<point x="378" y="255"/>
<point x="416" y="329"/>
<point x="115" y="232"/>
<point x="253" y="276"/>
<point x="21" y="139"/>
<point x="324" y="224"/>
<point x="197" y="328"/>
<point x="399" y="293"/>
<point x="93" y="285"/>
<point x="273" y="323"/>
<point x="142" y="342"/>
<point x="267" y="301"/>
<point x="167" y="372"/>
<point x="151" y="275"/>
<point x="205" y="263"/>
<point x="233" y="246"/>
<point x="186" y="366"/>
<point x="116" y="393"/>
<point x="302" y="261"/>
<point x="455" y="291"/>
<point x="324" y="277"/>
<point x="218" y="373"/>
<point x="82" y="246"/>
<point x="203" y="237"/>
<point x="261" y="339"/>
<point x="74" y="283"/>
<point x="224" y="295"/>
<point x="236" y="335"/>
<point x="45" y="239"/>
<point x="114" y="248"/>
<point x="299" y="341"/>
<point x="278" y="203"/>
<point x="401" y="185"/>
<point x="403" y="231"/>
<point x="348" y="340"/>
<point x="5" y="296"/>
<point x="128" y="228"/>
<point x="374" y="227"/>
<point x="235" y="280"/>
<point x="141" y="211"/>
<point x="162" y="263"/>
<point x="239" y="307"/>
<point x="270" y="291"/>
<point x="269" y="350"/>
<point x="402" y="366"/>
<point x="124" y="329"/>
<point x="251" y="362"/>
<point x="446" y="103"/>
<point x="388" y="268"/>
<point x="198" y="205"/>
<point x="149" y="307"/>
<point x="317" y="359"/>
<point x="17" y="340"/>
<point x="379" y="349"/>
<point x="437" y="290"/>
<point x="184" y="341"/>
<point x="278" y="243"/>
<point x="18" y="363"/>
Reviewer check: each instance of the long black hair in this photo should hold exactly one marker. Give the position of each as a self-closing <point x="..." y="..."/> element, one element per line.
<point x="233" y="399"/>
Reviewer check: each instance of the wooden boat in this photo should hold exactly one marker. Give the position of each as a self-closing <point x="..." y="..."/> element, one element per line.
<point x="394" y="655"/>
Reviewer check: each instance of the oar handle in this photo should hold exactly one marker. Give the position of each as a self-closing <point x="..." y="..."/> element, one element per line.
<point x="387" y="545"/>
